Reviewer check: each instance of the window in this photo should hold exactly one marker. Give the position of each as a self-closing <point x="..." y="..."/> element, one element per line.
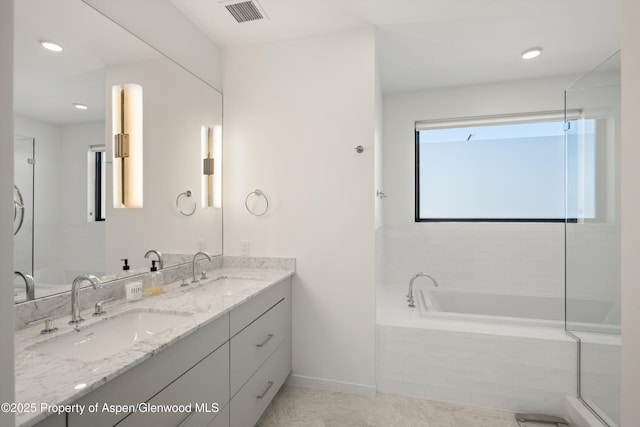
<point x="96" y="180"/>
<point x="512" y="168"/>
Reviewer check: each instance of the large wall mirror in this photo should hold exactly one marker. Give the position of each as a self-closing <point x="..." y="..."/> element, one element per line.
<point x="65" y="220"/>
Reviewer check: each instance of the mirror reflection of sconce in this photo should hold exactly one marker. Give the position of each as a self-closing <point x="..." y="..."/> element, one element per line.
<point x="127" y="145"/>
<point x="212" y="167"/>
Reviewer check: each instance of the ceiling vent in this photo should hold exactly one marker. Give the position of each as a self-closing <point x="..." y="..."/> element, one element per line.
<point x="245" y="11"/>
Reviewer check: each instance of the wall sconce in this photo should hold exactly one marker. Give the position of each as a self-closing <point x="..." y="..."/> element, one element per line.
<point x="126" y="106"/>
<point x="212" y="167"/>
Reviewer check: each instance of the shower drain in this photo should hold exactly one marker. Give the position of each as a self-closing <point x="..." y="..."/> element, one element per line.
<point x="540" y="419"/>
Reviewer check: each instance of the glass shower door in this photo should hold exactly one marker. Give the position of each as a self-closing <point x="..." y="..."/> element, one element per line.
<point x="592" y="285"/>
<point x="23" y="178"/>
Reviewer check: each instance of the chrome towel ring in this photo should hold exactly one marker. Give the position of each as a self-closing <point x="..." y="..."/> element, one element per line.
<point x="18" y="210"/>
<point x="257" y="193"/>
<point x="185" y="210"/>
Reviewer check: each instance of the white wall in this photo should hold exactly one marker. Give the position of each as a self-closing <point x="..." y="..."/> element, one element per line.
<point x="175" y="106"/>
<point x="6" y="208"/>
<point x="294" y="111"/>
<point x="519" y="257"/>
<point x="630" y="212"/>
<point x="83" y="242"/>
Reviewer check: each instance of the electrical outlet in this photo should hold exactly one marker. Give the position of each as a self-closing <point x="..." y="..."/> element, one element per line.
<point x="244" y="248"/>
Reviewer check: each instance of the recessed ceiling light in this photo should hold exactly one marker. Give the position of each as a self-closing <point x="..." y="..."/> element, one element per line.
<point x="531" y="53"/>
<point x="80" y="106"/>
<point x="54" y="47"/>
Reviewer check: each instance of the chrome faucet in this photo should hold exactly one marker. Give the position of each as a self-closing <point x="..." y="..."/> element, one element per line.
<point x="158" y="254"/>
<point x="29" y="283"/>
<point x="75" y="295"/>
<point x="195" y="257"/>
<point x="413" y="279"/>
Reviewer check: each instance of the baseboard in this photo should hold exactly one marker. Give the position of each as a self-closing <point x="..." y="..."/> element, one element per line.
<point x="331" y="385"/>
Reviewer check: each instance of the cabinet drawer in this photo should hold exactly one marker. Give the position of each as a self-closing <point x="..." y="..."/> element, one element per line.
<point x="251" y="347"/>
<point x="222" y="419"/>
<point x="253" y="398"/>
<point x="53" y="421"/>
<point x="204" y="384"/>
<point x="143" y="381"/>
<point x="243" y="315"/>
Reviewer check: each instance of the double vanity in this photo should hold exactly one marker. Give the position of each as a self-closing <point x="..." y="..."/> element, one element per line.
<point x="212" y="353"/>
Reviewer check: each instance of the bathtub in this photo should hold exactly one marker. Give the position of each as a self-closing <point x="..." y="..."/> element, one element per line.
<point x="585" y="314"/>
<point x="479" y="348"/>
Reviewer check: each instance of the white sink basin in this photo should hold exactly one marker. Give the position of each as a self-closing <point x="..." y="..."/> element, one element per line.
<point x="109" y="336"/>
<point x="229" y="285"/>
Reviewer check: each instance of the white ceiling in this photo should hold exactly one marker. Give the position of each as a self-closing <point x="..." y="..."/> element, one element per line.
<point x="46" y="84"/>
<point x="438" y="43"/>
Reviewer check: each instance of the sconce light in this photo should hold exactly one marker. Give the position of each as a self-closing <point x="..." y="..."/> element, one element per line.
<point x="127" y="145"/>
<point x="212" y="167"/>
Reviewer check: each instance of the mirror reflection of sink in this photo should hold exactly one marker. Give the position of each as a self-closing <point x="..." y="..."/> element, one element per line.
<point x="229" y="285"/>
<point x="109" y="336"/>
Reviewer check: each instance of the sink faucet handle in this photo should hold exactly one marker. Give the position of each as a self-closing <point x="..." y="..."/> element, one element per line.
<point x="48" y="325"/>
<point x="98" y="308"/>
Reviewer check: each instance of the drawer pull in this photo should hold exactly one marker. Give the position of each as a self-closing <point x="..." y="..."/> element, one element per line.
<point x="263" y="343"/>
<point x="266" y="390"/>
<point x="185" y="419"/>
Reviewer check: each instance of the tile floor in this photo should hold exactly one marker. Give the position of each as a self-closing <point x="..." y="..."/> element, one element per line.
<point x="303" y="407"/>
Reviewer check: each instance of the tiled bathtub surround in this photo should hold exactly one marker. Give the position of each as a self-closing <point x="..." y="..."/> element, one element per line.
<point x="511" y="257"/>
<point x="505" y="372"/>
<point x="60" y="305"/>
<point x="491" y="363"/>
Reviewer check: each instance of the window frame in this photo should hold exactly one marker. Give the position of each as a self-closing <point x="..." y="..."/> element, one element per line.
<point x="503" y="119"/>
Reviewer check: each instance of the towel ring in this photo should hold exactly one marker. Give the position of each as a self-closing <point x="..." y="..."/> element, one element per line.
<point x="18" y="209"/>
<point x="257" y="193"/>
<point x="186" y="194"/>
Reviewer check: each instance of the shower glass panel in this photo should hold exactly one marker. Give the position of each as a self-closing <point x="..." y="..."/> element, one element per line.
<point x="592" y="286"/>
<point x="23" y="175"/>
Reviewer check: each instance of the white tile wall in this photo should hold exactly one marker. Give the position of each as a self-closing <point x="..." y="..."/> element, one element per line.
<point x="600" y="364"/>
<point x="512" y="373"/>
<point x="519" y="257"/>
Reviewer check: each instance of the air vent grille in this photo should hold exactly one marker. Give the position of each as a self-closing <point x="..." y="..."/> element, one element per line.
<point x="245" y="11"/>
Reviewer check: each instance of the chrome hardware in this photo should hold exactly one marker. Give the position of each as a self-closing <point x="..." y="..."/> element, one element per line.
<point x="410" y="294"/>
<point x="203" y="275"/>
<point x="75" y="295"/>
<point x="266" y="390"/>
<point x="98" y="311"/>
<point x="48" y="325"/>
<point x="29" y="283"/>
<point x="263" y="343"/>
<point x="159" y="255"/>
<point x="540" y="418"/>
<point x="195" y="258"/>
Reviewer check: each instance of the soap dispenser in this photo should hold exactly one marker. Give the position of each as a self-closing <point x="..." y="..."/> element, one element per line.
<point x="154" y="288"/>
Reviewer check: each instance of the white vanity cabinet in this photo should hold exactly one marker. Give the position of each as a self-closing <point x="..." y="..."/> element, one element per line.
<point x="238" y="361"/>
<point x="152" y="376"/>
<point x="260" y="352"/>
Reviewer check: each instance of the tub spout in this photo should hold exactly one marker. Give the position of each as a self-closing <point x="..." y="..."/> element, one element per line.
<point x="410" y="299"/>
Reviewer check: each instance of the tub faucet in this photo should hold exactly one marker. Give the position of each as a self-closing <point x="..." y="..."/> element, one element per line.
<point x="195" y="258"/>
<point x="413" y="279"/>
<point x="75" y="295"/>
<point x="158" y="254"/>
<point x="29" y="283"/>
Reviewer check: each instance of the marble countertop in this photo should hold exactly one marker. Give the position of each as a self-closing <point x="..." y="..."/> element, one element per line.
<point x="44" y="379"/>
